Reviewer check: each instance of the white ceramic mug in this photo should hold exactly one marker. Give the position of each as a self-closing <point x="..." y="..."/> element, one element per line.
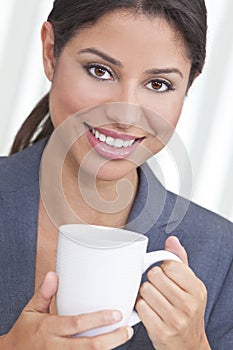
<point x="101" y="268"/>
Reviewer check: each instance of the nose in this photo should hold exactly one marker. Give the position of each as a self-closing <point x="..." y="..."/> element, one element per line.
<point x="124" y="109"/>
<point x="123" y="114"/>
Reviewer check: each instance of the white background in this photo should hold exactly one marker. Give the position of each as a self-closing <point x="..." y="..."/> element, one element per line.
<point x="206" y="125"/>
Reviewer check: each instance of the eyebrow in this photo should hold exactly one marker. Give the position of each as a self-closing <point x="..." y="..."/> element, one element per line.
<point x="164" y="71"/>
<point x="103" y="55"/>
<point x="117" y="63"/>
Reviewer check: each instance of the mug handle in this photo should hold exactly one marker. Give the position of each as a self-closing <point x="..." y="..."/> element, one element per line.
<point x="152" y="258"/>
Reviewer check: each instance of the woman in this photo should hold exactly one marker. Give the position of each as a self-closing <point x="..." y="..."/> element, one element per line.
<point x="110" y="65"/>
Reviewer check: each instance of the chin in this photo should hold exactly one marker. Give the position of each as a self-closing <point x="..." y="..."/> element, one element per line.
<point x="115" y="170"/>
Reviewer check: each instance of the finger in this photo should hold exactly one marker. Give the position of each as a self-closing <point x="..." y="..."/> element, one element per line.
<point x="156" y="300"/>
<point x="173" y="245"/>
<point x="183" y="276"/>
<point x="149" y="317"/>
<point x="71" y="325"/>
<point x="170" y="290"/>
<point x="105" y="341"/>
<point x="190" y="289"/>
<point x="43" y="297"/>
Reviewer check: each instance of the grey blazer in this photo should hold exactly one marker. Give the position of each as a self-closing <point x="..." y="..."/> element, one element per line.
<point x="157" y="213"/>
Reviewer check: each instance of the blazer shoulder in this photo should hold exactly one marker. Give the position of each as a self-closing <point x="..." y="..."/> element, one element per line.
<point x="21" y="168"/>
<point x="201" y="220"/>
<point x="177" y="215"/>
<point x="207" y="236"/>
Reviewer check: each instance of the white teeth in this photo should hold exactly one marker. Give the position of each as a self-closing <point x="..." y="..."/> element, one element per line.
<point x="97" y="134"/>
<point x="110" y="141"/>
<point x="126" y="143"/>
<point x="102" y="138"/>
<point x="131" y="142"/>
<point x="118" y="143"/>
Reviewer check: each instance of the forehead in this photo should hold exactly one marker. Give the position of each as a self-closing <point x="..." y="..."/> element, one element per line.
<point x="126" y="34"/>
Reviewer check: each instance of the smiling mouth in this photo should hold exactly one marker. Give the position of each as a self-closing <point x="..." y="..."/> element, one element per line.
<point x="112" y="139"/>
<point x="111" y="144"/>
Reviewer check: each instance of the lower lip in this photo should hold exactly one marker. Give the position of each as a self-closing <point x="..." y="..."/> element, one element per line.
<point x="110" y="152"/>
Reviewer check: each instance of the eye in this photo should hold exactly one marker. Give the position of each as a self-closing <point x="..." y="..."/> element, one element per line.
<point x="99" y="72"/>
<point x="159" y="85"/>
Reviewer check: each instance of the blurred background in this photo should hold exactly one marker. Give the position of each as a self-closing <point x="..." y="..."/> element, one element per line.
<point x="206" y="124"/>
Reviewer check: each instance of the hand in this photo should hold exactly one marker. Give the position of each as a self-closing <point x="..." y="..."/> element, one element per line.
<point x="172" y="304"/>
<point x="38" y="330"/>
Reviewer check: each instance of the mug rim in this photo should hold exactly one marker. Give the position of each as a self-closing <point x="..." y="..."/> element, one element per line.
<point x="65" y="231"/>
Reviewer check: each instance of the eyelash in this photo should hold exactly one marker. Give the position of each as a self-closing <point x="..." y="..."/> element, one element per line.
<point x="168" y="84"/>
<point x="89" y="66"/>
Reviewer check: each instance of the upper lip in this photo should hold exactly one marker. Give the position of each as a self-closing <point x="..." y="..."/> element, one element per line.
<point x="115" y="134"/>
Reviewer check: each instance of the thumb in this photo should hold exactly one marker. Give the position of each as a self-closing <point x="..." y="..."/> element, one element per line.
<point x="42" y="298"/>
<point x="173" y="245"/>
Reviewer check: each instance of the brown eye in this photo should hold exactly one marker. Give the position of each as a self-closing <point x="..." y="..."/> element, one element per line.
<point x="99" y="72"/>
<point x="156" y="85"/>
<point x="159" y="85"/>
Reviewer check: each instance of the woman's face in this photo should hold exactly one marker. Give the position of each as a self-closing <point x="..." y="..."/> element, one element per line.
<point x="129" y="63"/>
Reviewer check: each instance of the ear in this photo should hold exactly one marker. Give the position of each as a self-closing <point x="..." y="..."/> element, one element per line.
<point x="47" y="37"/>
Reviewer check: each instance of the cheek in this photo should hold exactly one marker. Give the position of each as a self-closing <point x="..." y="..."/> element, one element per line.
<point x="166" y="114"/>
<point x="72" y="91"/>
<point x="164" y="107"/>
<point x="70" y="97"/>
<point x="175" y="111"/>
<point x="164" y="121"/>
<point x="173" y="108"/>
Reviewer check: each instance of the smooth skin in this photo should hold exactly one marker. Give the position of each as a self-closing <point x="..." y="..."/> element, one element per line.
<point x="172" y="304"/>
<point x="81" y="78"/>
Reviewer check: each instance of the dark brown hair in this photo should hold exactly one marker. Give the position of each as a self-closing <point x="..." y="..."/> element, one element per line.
<point x="188" y="17"/>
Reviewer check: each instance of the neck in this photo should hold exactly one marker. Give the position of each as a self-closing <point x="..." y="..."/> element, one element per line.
<point x="98" y="201"/>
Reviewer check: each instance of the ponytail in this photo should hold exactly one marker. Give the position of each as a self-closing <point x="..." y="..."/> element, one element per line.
<point x="37" y="126"/>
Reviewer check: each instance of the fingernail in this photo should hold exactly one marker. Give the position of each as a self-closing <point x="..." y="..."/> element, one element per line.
<point x="130" y="331"/>
<point x="176" y="239"/>
<point x="116" y="315"/>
